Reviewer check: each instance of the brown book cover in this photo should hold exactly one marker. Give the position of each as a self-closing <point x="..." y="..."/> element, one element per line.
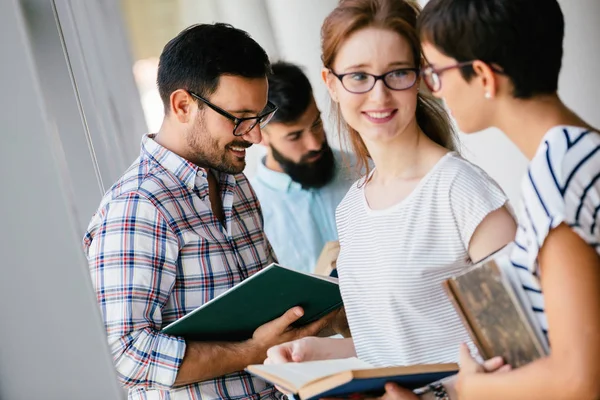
<point x="493" y="313"/>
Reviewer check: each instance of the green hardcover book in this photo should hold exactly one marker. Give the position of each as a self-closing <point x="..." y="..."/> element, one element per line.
<point x="263" y="297"/>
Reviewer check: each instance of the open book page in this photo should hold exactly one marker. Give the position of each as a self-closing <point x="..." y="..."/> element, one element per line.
<point x="293" y="376"/>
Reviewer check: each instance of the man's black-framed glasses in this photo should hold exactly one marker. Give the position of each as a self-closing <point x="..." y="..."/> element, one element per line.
<point x="241" y="126"/>
<point x="432" y="79"/>
<point x="362" y="82"/>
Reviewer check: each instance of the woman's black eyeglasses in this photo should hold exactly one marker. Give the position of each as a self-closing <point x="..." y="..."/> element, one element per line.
<point x="241" y="126"/>
<point x="432" y="79"/>
<point x="362" y="82"/>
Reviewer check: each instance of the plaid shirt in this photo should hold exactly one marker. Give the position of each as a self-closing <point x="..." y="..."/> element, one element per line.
<point x="157" y="252"/>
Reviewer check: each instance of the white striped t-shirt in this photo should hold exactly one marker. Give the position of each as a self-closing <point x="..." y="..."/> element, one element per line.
<point x="393" y="261"/>
<point x="562" y="184"/>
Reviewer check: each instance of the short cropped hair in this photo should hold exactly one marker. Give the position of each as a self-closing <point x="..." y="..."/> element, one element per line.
<point x="522" y="37"/>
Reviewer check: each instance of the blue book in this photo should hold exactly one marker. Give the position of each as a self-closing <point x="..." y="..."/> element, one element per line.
<point x="347" y="377"/>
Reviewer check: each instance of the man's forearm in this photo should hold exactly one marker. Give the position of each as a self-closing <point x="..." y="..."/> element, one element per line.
<point x="208" y="360"/>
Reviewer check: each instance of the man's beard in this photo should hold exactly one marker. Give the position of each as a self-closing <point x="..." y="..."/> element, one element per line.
<point x="206" y="152"/>
<point x="315" y="174"/>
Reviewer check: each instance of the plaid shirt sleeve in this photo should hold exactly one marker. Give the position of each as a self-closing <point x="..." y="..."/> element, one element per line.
<point x="271" y="256"/>
<point x="132" y="258"/>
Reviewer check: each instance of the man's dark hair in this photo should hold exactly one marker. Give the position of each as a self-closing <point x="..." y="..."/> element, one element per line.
<point x="523" y="37"/>
<point x="197" y="57"/>
<point x="290" y="90"/>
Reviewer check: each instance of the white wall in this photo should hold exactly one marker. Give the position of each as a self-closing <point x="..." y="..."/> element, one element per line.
<point x="579" y="84"/>
<point x="52" y="342"/>
<point x="297" y="29"/>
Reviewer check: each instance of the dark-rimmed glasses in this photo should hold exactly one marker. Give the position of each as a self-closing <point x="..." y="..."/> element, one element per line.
<point x="241" y="126"/>
<point x="432" y="79"/>
<point x="362" y="82"/>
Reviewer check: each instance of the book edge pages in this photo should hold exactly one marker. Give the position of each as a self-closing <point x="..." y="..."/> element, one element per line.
<point x="321" y="277"/>
<point x="404" y="370"/>
<point x="257" y="370"/>
<point x="329" y="382"/>
<point x="274" y="379"/>
<point x="320" y="385"/>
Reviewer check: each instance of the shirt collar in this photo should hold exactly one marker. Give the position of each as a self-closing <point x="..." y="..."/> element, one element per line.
<point x="183" y="169"/>
<point x="276" y="180"/>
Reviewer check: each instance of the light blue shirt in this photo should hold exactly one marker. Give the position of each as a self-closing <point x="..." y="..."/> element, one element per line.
<point x="298" y="222"/>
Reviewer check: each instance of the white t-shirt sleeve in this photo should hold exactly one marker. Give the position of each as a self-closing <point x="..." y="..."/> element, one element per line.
<point x="473" y="195"/>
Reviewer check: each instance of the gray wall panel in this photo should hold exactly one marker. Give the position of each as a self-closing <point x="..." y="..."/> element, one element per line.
<point x="52" y="341"/>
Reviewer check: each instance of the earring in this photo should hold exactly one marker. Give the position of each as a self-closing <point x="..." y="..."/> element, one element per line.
<point x="488" y="95"/>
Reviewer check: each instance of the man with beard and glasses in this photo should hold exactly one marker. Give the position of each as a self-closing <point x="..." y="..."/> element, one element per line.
<point x="182" y="225"/>
<point x="301" y="180"/>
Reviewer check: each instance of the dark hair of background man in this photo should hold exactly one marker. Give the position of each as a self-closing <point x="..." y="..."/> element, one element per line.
<point x="290" y="90"/>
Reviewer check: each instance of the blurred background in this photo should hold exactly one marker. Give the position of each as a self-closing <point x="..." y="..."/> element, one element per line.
<point x="78" y="92"/>
<point x="290" y="30"/>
